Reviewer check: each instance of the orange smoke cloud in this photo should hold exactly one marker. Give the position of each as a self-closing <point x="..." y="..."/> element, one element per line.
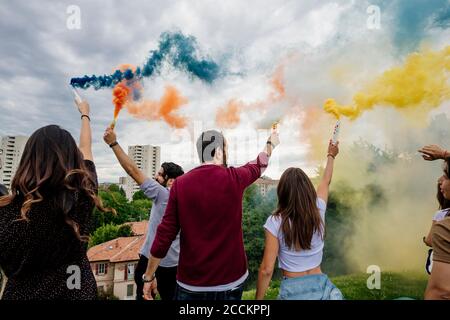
<point x="122" y="90"/>
<point x="164" y="109"/>
<point x="277" y="83"/>
<point x="229" y="115"/>
<point x="120" y="96"/>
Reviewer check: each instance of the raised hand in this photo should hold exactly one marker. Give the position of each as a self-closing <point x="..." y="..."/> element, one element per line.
<point x="109" y="136"/>
<point x="333" y="149"/>
<point x="83" y="107"/>
<point x="433" y="152"/>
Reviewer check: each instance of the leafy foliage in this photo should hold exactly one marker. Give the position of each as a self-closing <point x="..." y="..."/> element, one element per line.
<point x="126" y="211"/>
<point x="108" y="226"/>
<point x="256" y="209"/>
<point x="109" y="232"/>
<point x="139" y="195"/>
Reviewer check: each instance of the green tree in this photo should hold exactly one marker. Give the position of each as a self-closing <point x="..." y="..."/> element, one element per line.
<point x="139" y="195"/>
<point x="109" y="232"/>
<point x="114" y="188"/>
<point x="141" y="209"/>
<point x="256" y="209"/>
<point x="126" y="211"/>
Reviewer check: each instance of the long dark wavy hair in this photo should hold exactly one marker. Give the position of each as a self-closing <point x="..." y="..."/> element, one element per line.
<point x="443" y="203"/>
<point x="52" y="168"/>
<point x="297" y="207"/>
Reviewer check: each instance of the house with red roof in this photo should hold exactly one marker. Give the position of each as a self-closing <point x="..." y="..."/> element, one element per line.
<point x="114" y="262"/>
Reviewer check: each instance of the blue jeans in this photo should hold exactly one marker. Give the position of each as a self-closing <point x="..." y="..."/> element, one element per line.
<point x="309" y="287"/>
<point x="234" y="294"/>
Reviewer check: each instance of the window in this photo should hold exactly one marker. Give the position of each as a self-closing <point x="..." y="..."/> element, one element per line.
<point x="102" y="269"/>
<point x="130" y="270"/>
<point x="130" y="290"/>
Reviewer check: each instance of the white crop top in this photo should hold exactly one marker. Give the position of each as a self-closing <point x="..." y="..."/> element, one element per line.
<point x="297" y="261"/>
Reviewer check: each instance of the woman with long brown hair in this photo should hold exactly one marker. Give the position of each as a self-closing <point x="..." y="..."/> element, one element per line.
<point x="295" y="235"/>
<point x="45" y="220"/>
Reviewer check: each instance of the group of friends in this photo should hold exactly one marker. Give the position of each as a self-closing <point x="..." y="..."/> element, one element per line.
<point x="194" y="246"/>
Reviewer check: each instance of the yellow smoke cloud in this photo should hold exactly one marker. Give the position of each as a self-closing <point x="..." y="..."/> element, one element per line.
<point x="422" y="81"/>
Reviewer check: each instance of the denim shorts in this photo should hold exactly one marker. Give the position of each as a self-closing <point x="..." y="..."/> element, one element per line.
<point x="309" y="287"/>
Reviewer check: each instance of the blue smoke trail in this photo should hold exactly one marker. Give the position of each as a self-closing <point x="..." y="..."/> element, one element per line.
<point x="178" y="49"/>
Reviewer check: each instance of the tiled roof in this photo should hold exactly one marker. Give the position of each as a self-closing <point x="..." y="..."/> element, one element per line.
<point x="117" y="250"/>
<point x="121" y="249"/>
<point x="139" y="228"/>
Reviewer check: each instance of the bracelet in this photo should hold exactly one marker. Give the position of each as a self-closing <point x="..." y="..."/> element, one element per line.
<point x="270" y="142"/>
<point x="144" y="278"/>
<point x="115" y="143"/>
<point x="85" y="115"/>
<point x="330" y="155"/>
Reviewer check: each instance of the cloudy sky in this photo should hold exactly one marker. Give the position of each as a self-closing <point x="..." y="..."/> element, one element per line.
<point x="326" y="49"/>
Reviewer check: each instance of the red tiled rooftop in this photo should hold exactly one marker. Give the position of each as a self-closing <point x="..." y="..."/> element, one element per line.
<point x="117" y="250"/>
<point x="121" y="249"/>
<point x="138" y="228"/>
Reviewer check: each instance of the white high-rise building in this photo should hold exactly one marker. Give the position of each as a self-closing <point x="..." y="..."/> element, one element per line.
<point x="123" y="183"/>
<point x="11" y="149"/>
<point x="147" y="158"/>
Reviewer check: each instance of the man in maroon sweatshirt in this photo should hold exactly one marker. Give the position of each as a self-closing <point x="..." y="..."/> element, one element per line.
<point x="206" y="204"/>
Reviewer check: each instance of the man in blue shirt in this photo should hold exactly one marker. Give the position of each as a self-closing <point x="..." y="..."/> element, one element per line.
<point x="157" y="190"/>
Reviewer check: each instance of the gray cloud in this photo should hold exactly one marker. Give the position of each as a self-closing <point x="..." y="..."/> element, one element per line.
<point x="40" y="55"/>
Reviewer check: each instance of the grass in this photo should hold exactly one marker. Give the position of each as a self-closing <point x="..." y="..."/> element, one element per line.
<point x="394" y="285"/>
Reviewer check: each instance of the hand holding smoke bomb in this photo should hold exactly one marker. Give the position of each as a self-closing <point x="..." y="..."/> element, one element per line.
<point x="275" y="127"/>
<point x="274" y="138"/>
<point x="333" y="149"/>
<point x="82" y="104"/>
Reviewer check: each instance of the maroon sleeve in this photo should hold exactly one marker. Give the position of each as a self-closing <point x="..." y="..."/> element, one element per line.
<point x="250" y="172"/>
<point x="168" y="228"/>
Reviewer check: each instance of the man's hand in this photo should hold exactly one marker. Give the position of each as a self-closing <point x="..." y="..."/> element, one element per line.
<point x="150" y="290"/>
<point x="272" y="142"/>
<point x="83" y="107"/>
<point x="109" y="136"/>
<point x="433" y="152"/>
<point x="274" y="139"/>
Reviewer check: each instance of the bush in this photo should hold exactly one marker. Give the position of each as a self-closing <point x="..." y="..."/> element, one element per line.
<point x="109" y="232"/>
<point x="106" y="295"/>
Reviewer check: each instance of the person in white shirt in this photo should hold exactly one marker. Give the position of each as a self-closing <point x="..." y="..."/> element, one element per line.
<point x="295" y="235"/>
